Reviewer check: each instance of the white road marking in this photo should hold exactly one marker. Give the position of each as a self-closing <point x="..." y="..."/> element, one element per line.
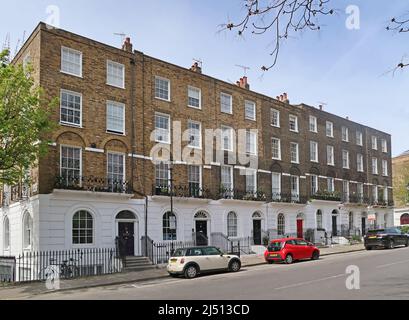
<point x="299" y="284"/>
<point x="391" y="264"/>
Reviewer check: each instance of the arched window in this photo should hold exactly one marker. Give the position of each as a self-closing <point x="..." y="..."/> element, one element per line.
<point x="232" y="224"/>
<point x="319" y="219"/>
<point x="404" y="219"/>
<point x="281" y="224"/>
<point x="257" y="216"/>
<point x="169" y="226"/>
<point x="27" y="231"/>
<point x="201" y="215"/>
<point x="6" y="233"/>
<point x="126" y="215"/>
<point x="82" y="228"/>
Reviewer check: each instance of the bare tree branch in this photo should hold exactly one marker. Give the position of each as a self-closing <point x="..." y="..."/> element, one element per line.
<point x="282" y="18"/>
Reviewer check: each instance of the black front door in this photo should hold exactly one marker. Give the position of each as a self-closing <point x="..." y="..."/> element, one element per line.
<point x="257" y="232"/>
<point x="201" y="233"/>
<point x="334" y="226"/>
<point x="363" y="226"/>
<point x="126" y="238"/>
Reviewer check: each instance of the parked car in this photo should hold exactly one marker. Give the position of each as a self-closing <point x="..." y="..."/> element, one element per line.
<point x="289" y="250"/>
<point x="196" y="260"/>
<point x="385" y="238"/>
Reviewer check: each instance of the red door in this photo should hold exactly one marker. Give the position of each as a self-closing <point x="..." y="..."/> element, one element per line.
<point x="300" y="233"/>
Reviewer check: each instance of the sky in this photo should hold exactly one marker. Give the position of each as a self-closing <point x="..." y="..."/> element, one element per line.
<point x="345" y="68"/>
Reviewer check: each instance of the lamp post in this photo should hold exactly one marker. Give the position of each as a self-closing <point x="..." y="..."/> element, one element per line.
<point x="171" y="182"/>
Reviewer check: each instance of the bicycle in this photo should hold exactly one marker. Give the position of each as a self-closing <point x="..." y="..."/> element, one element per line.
<point x="68" y="269"/>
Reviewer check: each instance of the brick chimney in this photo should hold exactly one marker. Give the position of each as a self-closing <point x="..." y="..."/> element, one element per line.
<point x="127" y="46"/>
<point x="283" y="98"/>
<point x="196" y="68"/>
<point x="243" y="83"/>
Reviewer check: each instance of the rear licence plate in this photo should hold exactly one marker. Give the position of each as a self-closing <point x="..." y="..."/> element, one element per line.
<point x="373" y="237"/>
<point x="273" y="255"/>
<point x="173" y="260"/>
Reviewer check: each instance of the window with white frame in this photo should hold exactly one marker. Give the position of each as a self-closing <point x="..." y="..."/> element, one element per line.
<point x="251" y="181"/>
<point x="294" y="152"/>
<point x="227" y="179"/>
<point x="226" y="103"/>
<point x="345" y="190"/>
<point x="162" y="128"/>
<point x="276" y="185"/>
<point x="313" y="151"/>
<point x="194" y="180"/>
<point x="329" y="129"/>
<point x="384" y="146"/>
<point x="319" y="219"/>
<point x="70" y="165"/>
<point x="82" y="228"/>
<point x="195" y="134"/>
<point x="276" y="148"/>
<point x="360" y="162"/>
<point x="374" y="143"/>
<point x="295" y="188"/>
<point x="115" y="74"/>
<point x="345" y="159"/>
<point x="6" y="233"/>
<point x="314" y="184"/>
<point x="275" y="117"/>
<point x="71" y="61"/>
<point x="27" y="62"/>
<point x="169" y="226"/>
<point x="281" y="224"/>
<point x="115" y="117"/>
<point x="70" y="108"/>
<point x="360" y="192"/>
<point x="251" y="143"/>
<point x="375" y="193"/>
<point x="374" y="166"/>
<point x="330" y="184"/>
<point x="162" y="175"/>
<point x="385" y="193"/>
<point x="232" y="224"/>
<point x="345" y="134"/>
<point x="27" y="230"/>
<point x="385" y="168"/>
<point x="359" y="138"/>
<point x="227" y="138"/>
<point x="194" y="97"/>
<point x="250" y="110"/>
<point x="313" y="124"/>
<point x="116" y="170"/>
<point x="330" y="156"/>
<point x="162" y="88"/>
<point x="293" y="123"/>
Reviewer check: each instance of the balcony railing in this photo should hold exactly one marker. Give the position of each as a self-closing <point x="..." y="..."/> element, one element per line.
<point x="182" y="191"/>
<point x="94" y="184"/>
<point x="327" y="196"/>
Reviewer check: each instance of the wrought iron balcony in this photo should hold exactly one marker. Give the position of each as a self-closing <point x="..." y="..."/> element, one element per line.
<point x="182" y="191"/>
<point x="236" y="194"/>
<point x="94" y="184"/>
<point x="288" y="198"/>
<point x="327" y="196"/>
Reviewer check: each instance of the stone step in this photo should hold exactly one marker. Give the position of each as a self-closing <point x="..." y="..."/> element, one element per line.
<point x="139" y="268"/>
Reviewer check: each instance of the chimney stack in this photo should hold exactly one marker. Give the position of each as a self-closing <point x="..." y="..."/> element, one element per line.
<point x="127" y="46"/>
<point x="320" y="106"/>
<point x="196" y="68"/>
<point x="283" y="98"/>
<point x="243" y="83"/>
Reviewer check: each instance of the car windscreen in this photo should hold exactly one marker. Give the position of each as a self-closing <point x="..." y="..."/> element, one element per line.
<point x="375" y="232"/>
<point x="275" y="246"/>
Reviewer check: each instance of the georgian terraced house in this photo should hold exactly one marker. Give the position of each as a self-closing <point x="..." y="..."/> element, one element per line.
<point x="316" y="171"/>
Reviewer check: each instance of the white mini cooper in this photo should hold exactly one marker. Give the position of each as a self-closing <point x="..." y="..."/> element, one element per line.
<point x="192" y="261"/>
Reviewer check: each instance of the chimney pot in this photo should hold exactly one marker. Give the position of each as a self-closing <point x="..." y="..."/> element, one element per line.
<point x="243" y="83"/>
<point x="195" y="68"/>
<point x="127" y="46"/>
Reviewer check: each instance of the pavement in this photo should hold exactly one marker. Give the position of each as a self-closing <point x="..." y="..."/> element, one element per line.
<point x="24" y="291"/>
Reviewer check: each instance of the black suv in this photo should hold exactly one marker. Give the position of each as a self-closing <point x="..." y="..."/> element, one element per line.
<point x="385" y="238"/>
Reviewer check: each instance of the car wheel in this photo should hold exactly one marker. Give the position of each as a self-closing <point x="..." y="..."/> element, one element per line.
<point x="289" y="259"/>
<point x="391" y="244"/>
<point x="407" y="243"/>
<point x="368" y="248"/>
<point x="191" y="272"/>
<point x="234" y="266"/>
<point x="315" y="255"/>
<point x="270" y="262"/>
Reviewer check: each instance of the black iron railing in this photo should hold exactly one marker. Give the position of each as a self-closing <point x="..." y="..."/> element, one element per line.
<point x="327" y="196"/>
<point x="95" y="184"/>
<point x="160" y="252"/>
<point x="68" y="264"/>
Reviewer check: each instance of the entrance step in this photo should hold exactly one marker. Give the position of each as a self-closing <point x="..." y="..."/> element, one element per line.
<point x="137" y="264"/>
<point x="259" y="250"/>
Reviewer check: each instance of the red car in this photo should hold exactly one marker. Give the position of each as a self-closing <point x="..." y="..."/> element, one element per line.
<point x="290" y="249"/>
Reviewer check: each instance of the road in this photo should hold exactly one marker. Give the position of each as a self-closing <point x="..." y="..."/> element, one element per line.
<point x="384" y="274"/>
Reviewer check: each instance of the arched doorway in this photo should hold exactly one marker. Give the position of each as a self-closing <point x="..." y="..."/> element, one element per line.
<point x="300" y="225"/>
<point x="257" y="219"/>
<point x="404" y="219"/>
<point x="127" y="232"/>
<point x="334" y="223"/>
<point x="201" y="228"/>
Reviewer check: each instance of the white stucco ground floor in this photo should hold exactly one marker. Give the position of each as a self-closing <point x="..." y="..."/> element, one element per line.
<point x="401" y="216"/>
<point x="66" y="220"/>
